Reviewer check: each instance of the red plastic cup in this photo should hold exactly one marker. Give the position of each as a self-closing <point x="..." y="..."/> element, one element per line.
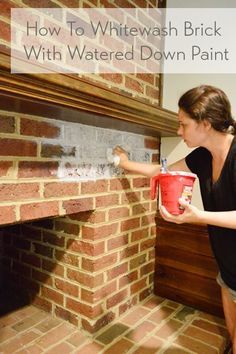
<point x="173" y="186"/>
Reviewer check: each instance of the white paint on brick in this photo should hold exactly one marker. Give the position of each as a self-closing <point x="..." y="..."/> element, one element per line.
<point x="93" y="151"/>
<point x="92" y="147"/>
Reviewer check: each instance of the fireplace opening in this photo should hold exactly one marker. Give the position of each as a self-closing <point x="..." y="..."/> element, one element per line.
<point x="38" y="260"/>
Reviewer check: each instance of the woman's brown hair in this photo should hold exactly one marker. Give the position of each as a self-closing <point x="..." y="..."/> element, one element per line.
<point x="208" y="103"/>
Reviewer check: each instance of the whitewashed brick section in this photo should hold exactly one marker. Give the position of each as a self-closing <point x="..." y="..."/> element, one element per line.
<point x="93" y="145"/>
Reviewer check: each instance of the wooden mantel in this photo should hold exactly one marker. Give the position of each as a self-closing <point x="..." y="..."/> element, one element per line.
<point x="71" y="92"/>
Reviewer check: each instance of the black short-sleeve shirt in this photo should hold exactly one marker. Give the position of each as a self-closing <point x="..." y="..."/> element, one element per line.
<point x="218" y="196"/>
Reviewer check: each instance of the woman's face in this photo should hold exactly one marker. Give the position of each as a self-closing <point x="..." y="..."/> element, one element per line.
<point x="193" y="133"/>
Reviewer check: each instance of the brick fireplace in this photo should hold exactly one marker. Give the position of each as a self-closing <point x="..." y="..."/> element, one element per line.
<point x="89" y="256"/>
<point x="77" y="234"/>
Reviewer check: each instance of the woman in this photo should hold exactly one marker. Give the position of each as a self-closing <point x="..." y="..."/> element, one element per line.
<point x="205" y="122"/>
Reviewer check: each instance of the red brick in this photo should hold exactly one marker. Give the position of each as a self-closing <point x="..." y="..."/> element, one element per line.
<point x="92" y="265"/>
<point x="93" y="347"/>
<point x="205" y="336"/>
<point x="77" y="205"/>
<point x="134" y="84"/>
<point x="148" y="219"/>
<point x="42" y="303"/>
<point x="139" y="234"/>
<point x="62" y="347"/>
<point x="139" y="285"/>
<point x="83" y="309"/>
<point x="119" y="184"/>
<point x="151" y="254"/>
<point x="7" y="123"/>
<point x="98" y="295"/>
<point x="100" y="323"/>
<point x="140" y="208"/>
<point x="115" y="78"/>
<point x="52" y="295"/>
<point x="67" y="258"/>
<point x="194" y="345"/>
<point x="54" y="336"/>
<point x="128" y="279"/>
<point x="161" y="314"/>
<point x="152" y="92"/>
<point x="56" y="150"/>
<point x="130" y="224"/>
<point x="107" y="200"/>
<point x="135" y="316"/>
<point x="5" y="167"/>
<point x="118" y="213"/>
<point x="29" y="169"/>
<point x="19" y="191"/>
<point x="210" y="327"/>
<point x="137" y="261"/>
<point x="42" y="277"/>
<point x="66" y="315"/>
<point x="146" y="77"/>
<point x="131" y="197"/>
<point x="106" y="3"/>
<point x="140" y="331"/>
<point x="153" y="345"/>
<point x="117" y="242"/>
<point x="5" y="31"/>
<point x="38" y="210"/>
<point x="91" y="216"/>
<point x="154" y="206"/>
<point x="67" y="227"/>
<point x="66" y="287"/>
<point x="122" y="346"/>
<point x="53" y="267"/>
<point x="70" y="3"/>
<point x="141" y="182"/>
<point x="96" y="233"/>
<point x="39" y="129"/>
<point x="7" y="214"/>
<point x="150" y="243"/>
<point x="40" y="3"/>
<point x="117" y="298"/>
<point x="129" y="251"/>
<point x="146" y="195"/>
<point x="92" y="187"/>
<point x="155" y="158"/>
<point x="90" y="281"/>
<point x="77" y="338"/>
<point x="53" y="239"/>
<point x="82" y="247"/>
<point x="113" y="273"/>
<point x="127" y="305"/>
<point x="147" y="268"/>
<point x="5" y="8"/>
<point x="17" y="147"/>
<point x="60" y="189"/>
<point x="152" y="143"/>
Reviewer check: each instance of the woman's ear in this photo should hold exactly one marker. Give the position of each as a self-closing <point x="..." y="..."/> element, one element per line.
<point x="206" y="124"/>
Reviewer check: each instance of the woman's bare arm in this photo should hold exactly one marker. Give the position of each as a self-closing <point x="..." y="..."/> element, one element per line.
<point x="146" y="169"/>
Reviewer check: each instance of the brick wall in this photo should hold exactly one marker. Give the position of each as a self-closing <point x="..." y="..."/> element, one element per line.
<point x="145" y="87"/>
<point x="93" y="264"/>
<point x="95" y="258"/>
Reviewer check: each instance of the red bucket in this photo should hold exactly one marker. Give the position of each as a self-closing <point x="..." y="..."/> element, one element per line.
<point x="173" y="185"/>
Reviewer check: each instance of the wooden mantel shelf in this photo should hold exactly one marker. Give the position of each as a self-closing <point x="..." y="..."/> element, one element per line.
<point x="73" y="93"/>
